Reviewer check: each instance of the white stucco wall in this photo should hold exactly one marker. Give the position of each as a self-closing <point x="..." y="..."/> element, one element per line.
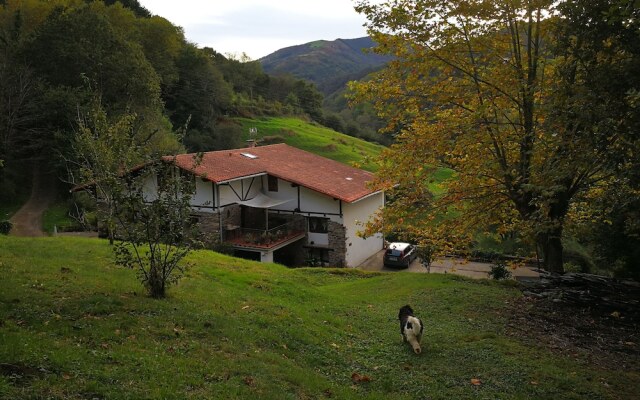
<point x="285" y="192"/>
<point x="311" y="201"/>
<point x="242" y="187"/>
<point x="150" y="187"/>
<point x="203" y="200"/>
<point x="359" y="249"/>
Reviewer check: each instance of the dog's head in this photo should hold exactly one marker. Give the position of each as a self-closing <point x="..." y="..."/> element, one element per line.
<point x="405" y="311"/>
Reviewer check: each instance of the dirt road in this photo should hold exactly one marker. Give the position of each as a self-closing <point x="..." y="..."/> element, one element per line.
<point x="27" y="221"/>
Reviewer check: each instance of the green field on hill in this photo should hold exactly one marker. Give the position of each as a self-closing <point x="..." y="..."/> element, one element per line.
<point x="316" y="139"/>
<point x="74" y="326"/>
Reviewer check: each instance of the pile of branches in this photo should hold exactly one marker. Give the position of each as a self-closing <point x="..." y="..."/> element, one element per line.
<point x="618" y="298"/>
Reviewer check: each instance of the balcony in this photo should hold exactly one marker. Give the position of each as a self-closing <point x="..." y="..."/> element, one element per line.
<point x="264" y="239"/>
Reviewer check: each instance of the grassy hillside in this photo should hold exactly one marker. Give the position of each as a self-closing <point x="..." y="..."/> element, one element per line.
<point x="74" y="326"/>
<point x="315" y="139"/>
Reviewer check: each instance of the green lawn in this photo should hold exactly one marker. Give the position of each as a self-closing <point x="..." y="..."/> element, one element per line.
<point x="57" y="215"/>
<point x="74" y="326"/>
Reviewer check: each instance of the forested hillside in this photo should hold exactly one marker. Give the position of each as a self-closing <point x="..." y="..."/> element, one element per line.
<point x="62" y="60"/>
<point x="331" y="65"/>
<point x="328" y="64"/>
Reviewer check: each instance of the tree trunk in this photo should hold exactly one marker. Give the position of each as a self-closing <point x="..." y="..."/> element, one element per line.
<point x="551" y="245"/>
<point x="553" y="255"/>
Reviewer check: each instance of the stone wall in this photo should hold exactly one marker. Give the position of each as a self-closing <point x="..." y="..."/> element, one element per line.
<point x="337" y="242"/>
<point x="231" y="215"/>
<point x="209" y="227"/>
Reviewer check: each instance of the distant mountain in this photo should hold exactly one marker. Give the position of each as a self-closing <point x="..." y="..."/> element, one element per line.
<point x="329" y="64"/>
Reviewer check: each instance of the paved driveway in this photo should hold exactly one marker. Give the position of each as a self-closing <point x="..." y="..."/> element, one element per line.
<point x="477" y="270"/>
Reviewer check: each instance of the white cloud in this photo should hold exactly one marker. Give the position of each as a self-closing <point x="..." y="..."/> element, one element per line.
<point x="260" y="27"/>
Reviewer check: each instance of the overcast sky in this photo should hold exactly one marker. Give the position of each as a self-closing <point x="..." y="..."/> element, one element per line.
<point x="260" y="27"/>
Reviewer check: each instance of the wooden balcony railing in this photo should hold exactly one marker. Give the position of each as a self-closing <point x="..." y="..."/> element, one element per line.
<point x="265" y="239"/>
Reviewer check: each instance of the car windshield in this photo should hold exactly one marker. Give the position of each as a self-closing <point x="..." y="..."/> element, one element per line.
<point x="393" y="252"/>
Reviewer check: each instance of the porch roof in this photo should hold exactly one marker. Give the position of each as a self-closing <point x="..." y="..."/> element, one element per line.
<point x="261" y="200"/>
<point x="320" y="174"/>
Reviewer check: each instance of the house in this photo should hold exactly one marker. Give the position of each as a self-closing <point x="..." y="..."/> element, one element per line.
<point x="282" y="204"/>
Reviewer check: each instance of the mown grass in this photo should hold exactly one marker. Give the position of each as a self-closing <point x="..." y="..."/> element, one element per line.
<point x="72" y="325"/>
<point x="316" y="139"/>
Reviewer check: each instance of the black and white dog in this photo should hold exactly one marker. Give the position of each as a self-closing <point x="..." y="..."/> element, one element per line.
<point x="410" y="328"/>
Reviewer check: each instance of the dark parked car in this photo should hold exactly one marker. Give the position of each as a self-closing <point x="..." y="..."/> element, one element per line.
<point x="400" y="255"/>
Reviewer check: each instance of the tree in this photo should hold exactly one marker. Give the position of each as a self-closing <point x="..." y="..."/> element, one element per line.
<point x="600" y="48"/>
<point x="134" y="5"/>
<point x="76" y="46"/>
<point x="244" y="75"/>
<point x="77" y="52"/>
<point x="151" y="229"/>
<point x="155" y="232"/>
<point x="19" y="89"/>
<point x="479" y="88"/>
<point x="201" y="94"/>
<point x="103" y="149"/>
<point x="162" y="43"/>
<point x="310" y="99"/>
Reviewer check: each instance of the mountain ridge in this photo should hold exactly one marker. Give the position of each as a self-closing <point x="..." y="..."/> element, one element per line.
<point x="328" y="64"/>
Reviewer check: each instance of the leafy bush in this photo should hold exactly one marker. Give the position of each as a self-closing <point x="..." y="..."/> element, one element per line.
<point x="499" y="271"/>
<point x="486" y="255"/>
<point x="5" y="227"/>
<point x="222" y="248"/>
<point x="578" y="255"/>
<point x="489" y="246"/>
<point x="571" y="267"/>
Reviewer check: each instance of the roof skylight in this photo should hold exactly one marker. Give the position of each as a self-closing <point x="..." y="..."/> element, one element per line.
<point x="249" y="155"/>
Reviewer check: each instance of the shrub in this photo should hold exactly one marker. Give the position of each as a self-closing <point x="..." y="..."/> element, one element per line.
<point x="578" y="255"/>
<point x="5" y="227"/>
<point x="330" y="147"/>
<point x="223" y="248"/>
<point x="313" y="262"/>
<point x="426" y="254"/>
<point x="499" y="271"/>
<point x="273" y="139"/>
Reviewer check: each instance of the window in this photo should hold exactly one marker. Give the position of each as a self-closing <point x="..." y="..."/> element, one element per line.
<point x="318" y="257"/>
<point x="273" y="183"/>
<point x="318" y="225"/>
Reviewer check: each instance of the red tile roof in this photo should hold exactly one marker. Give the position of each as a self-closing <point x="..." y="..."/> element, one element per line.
<point x="323" y="175"/>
